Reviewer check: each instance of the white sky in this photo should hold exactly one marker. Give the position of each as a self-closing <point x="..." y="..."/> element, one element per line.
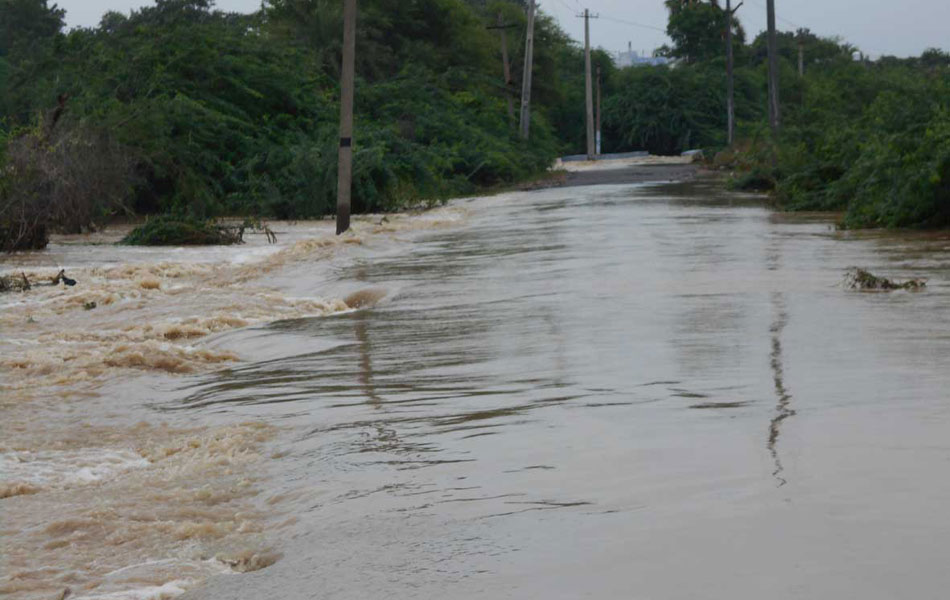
<point x="898" y="27"/>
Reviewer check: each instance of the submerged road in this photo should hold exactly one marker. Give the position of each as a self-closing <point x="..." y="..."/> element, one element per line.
<point x="653" y="392"/>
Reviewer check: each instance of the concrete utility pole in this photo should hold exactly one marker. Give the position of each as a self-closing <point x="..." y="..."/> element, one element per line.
<point x="588" y="93"/>
<point x="506" y="66"/>
<point x="598" y="111"/>
<point x="774" y="111"/>
<point x="526" y="76"/>
<point x="730" y="77"/>
<point x="345" y="170"/>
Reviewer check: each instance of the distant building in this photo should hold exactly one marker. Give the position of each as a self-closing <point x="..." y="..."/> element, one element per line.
<point x="630" y="58"/>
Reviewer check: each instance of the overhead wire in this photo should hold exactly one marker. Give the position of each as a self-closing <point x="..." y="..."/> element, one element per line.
<point x="663" y="31"/>
<point x="777" y="17"/>
<point x="798" y="26"/>
<point x="631" y="23"/>
<point x="566" y="5"/>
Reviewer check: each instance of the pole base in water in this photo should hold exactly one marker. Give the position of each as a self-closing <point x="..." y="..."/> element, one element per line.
<point x="342" y="219"/>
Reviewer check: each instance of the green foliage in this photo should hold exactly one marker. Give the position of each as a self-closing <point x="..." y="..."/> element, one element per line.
<point x="871" y="141"/>
<point x="198" y="112"/>
<point x="902" y="179"/>
<point x="934" y="58"/>
<point x="168" y="230"/>
<point x="698" y="29"/>
<point x="866" y="138"/>
<point x="238" y="114"/>
<point x="669" y="109"/>
<point x="24" y="23"/>
<point x="56" y="175"/>
<point x="816" y="51"/>
<point x="666" y="111"/>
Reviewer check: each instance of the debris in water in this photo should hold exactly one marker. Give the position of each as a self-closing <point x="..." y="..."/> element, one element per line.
<point x="20" y="283"/>
<point x="859" y="279"/>
<point x="89" y="305"/>
<point x="247" y="561"/>
<point x="169" y="230"/>
<point x="61" y="276"/>
<point x="365" y="298"/>
<point x="11" y="283"/>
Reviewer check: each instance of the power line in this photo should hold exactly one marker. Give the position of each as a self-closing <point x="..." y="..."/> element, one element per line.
<point x="798" y="26"/>
<point x="632" y="23"/>
<point x="786" y="21"/>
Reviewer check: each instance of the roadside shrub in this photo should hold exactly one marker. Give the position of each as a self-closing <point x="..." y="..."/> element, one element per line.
<point x="872" y="140"/>
<point x="668" y="110"/>
<point x="60" y="177"/>
<point x="231" y="114"/>
<point x="171" y="230"/>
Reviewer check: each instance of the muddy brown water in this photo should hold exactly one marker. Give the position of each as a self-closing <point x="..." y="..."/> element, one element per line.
<point x="619" y="391"/>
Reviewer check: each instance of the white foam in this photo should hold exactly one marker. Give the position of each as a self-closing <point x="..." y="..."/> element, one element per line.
<point x="120" y="584"/>
<point x="250" y="255"/>
<point x="50" y="468"/>
<point x="153" y="592"/>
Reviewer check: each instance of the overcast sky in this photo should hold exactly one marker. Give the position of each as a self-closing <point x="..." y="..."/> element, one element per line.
<point x="897" y="27"/>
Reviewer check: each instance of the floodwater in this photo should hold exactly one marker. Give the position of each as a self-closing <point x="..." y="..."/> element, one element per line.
<point x="655" y="392"/>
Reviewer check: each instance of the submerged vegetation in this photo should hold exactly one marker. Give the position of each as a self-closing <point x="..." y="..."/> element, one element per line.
<point x="176" y="230"/>
<point x="859" y="279"/>
<point x="21" y="283"/>
<point x="167" y="230"/>
<point x="179" y="108"/>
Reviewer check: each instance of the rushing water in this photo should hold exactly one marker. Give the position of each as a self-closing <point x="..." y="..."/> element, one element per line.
<point x="652" y="392"/>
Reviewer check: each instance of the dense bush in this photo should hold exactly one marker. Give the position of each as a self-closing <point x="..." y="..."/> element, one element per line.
<point x="214" y="113"/>
<point x="180" y="108"/>
<point x="666" y="111"/>
<point x="65" y="177"/>
<point x="172" y="230"/>
<point x="869" y="138"/>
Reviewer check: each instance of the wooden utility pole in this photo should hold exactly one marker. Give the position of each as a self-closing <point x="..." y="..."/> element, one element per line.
<point x="774" y="111"/>
<point x="345" y="170"/>
<point x="526" y="76"/>
<point x="588" y="93"/>
<point x="506" y="66"/>
<point x="597" y="149"/>
<point x="730" y="76"/>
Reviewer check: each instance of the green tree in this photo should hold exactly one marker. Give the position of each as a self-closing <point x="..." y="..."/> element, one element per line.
<point x="698" y="30"/>
<point x="28" y="22"/>
<point x="227" y="113"/>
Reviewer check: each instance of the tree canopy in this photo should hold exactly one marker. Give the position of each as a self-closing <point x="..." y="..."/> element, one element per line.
<point x="180" y="107"/>
<point x="865" y="137"/>
<point x="231" y="113"/>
